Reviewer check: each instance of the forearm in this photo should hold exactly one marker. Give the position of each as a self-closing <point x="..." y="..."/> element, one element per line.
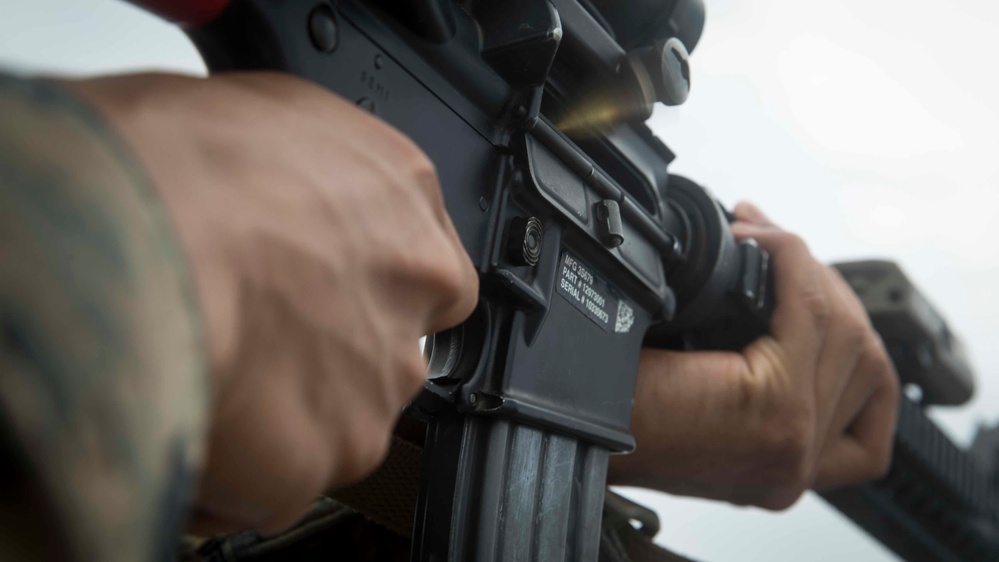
<point x="707" y="394"/>
<point x="102" y="373"/>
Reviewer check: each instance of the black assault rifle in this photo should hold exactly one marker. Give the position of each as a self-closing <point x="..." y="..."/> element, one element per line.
<point x="587" y="249"/>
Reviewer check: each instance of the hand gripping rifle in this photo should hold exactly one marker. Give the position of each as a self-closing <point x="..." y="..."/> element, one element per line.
<point x="532" y="111"/>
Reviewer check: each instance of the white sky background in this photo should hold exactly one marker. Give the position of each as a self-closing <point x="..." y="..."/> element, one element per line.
<point x="870" y="127"/>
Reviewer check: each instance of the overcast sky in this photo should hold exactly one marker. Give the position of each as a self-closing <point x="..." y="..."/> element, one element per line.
<point x="868" y="126"/>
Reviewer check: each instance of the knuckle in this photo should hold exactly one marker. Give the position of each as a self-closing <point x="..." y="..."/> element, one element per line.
<point x="789" y="443"/>
<point x="880" y="369"/>
<point x="893" y="387"/>
<point x="877" y="463"/>
<point x="364" y="450"/>
<point x="424" y="170"/>
<point x="413" y="375"/>
<point x="881" y="464"/>
<point x="454" y="277"/>
<point x="882" y="362"/>
<point x="856" y="333"/>
<point x="857" y="324"/>
<point x="375" y="451"/>
<point x="410" y="160"/>
<point x="469" y="301"/>
<point x="812" y="291"/>
<point x="881" y="446"/>
<point x="308" y="473"/>
<point x="840" y="281"/>
<point x="819" y="309"/>
<point x="782" y="498"/>
<point x="420" y="168"/>
<point x="790" y="241"/>
<point x="851" y="301"/>
<point x="793" y="469"/>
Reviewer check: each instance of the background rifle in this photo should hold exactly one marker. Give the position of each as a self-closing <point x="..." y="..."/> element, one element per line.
<point x="532" y="111"/>
<point x="937" y="502"/>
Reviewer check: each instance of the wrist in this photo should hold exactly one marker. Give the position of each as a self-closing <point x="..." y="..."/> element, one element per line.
<point x="148" y="112"/>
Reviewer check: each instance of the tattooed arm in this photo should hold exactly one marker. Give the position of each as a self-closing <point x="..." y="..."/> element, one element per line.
<point x="102" y="371"/>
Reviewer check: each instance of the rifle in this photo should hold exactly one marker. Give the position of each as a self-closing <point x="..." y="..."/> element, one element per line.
<point x="587" y="249"/>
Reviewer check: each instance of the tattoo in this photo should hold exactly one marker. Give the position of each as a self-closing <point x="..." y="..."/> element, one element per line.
<point x="102" y="366"/>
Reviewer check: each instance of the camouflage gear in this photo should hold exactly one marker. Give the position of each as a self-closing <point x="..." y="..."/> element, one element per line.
<point x="103" y="388"/>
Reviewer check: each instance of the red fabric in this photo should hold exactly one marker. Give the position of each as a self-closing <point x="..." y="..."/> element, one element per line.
<point x="188" y="12"/>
